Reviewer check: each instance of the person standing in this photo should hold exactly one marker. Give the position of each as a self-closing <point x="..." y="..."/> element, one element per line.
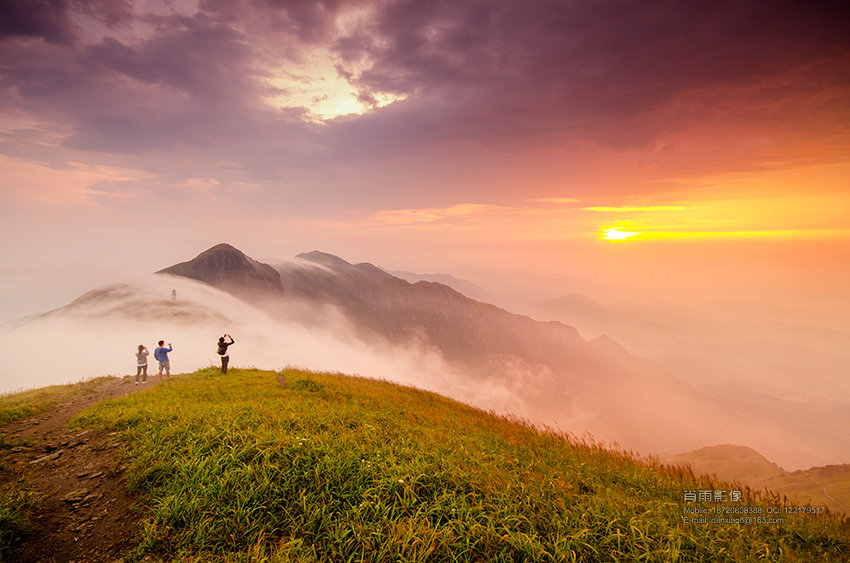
<point x="161" y="354"/>
<point x="142" y="364"/>
<point x="222" y="351"/>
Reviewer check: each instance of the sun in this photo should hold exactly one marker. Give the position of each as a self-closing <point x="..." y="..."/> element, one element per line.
<point x="615" y="233"/>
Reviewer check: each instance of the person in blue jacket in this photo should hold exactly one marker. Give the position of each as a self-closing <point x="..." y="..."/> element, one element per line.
<point x="161" y="354"/>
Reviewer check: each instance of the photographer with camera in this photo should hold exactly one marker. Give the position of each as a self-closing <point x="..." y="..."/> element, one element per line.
<point x="222" y="351"/>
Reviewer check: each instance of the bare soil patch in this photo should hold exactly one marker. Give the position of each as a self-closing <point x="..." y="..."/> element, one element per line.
<point x="84" y="512"/>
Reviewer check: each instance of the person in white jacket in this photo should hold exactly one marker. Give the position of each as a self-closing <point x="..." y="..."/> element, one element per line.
<point x="142" y="364"/>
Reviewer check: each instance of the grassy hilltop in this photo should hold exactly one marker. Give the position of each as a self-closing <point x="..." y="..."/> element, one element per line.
<point x="334" y="468"/>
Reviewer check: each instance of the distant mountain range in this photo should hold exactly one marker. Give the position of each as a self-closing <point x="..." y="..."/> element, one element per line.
<point x="827" y="486"/>
<point x="461" y="286"/>
<point x="786" y="353"/>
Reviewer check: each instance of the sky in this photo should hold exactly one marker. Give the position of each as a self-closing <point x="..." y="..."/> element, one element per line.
<point x="624" y="149"/>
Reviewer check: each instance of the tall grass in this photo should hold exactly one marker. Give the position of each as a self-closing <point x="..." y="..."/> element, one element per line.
<point x="15" y="502"/>
<point x="14" y="523"/>
<point x="337" y="468"/>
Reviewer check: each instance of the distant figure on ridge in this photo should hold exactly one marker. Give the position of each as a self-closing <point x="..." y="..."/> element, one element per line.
<point x="142" y="363"/>
<point x="222" y="351"/>
<point x="161" y="354"/>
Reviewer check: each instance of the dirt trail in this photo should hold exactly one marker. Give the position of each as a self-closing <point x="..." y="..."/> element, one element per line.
<point x="838" y="505"/>
<point x="84" y="510"/>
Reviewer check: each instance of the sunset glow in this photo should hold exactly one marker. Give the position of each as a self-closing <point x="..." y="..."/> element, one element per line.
<point x="615" y="233"/>
<point x="627" y="221"/>
<point x="407" y="135"/>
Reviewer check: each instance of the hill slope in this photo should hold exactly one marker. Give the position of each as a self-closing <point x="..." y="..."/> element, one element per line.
<point x="301" y="466"/>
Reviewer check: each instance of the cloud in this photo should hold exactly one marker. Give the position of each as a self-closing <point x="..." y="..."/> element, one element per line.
<point x="627" y="209"/>
<point x="473" y="91"/>
<point x="48" y="19"/>
<point x="596" y="71"/>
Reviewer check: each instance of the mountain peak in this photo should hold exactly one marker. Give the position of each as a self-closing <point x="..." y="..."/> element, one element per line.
<point x="323" y="258"/>
<point x="219" y="248"/>
<point x="339" y="265"/>
<point x="226" y="267"/>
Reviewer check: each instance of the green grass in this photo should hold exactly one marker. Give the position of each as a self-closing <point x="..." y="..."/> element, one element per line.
<point x="14" y="524"/>
<point x="337" y="468"/>
<point x="14" y="406"/>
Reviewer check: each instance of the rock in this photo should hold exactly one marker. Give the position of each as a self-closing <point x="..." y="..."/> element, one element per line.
<point x="76" y="496"/>
<point x="93" y="496"/>
<point x="48" y="457"/>
<point x="96" y="475"/>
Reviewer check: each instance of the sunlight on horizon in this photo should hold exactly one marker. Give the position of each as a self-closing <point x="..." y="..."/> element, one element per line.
<point x="615" y="233"/>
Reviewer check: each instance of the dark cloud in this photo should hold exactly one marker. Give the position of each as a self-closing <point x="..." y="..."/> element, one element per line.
<point x="303" y="22"/>
<point x="588" y="67"/>
<point x="52" y="19"/>
<point x="502" y="76"/>
<point x="48" y="19"/>
<point x="199" y="56"/>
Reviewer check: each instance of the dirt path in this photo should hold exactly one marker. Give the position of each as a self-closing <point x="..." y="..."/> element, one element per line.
<point x="84" y="511"/>
<point x="838" y="505"/>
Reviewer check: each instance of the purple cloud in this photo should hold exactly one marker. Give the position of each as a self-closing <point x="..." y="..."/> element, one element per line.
<point x="500" y="78"/>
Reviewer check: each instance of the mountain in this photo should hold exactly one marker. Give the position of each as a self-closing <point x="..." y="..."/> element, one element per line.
<point x="461" y="286"/>
<point x="464" y="330"/>
<point x="817" y="486"/>
<point x="123" y="300"/>
<point x="790" y="354"/>
<point x="227" y="268"/>
<point x="728" y="462"/>
<point x="827" y="486"/>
